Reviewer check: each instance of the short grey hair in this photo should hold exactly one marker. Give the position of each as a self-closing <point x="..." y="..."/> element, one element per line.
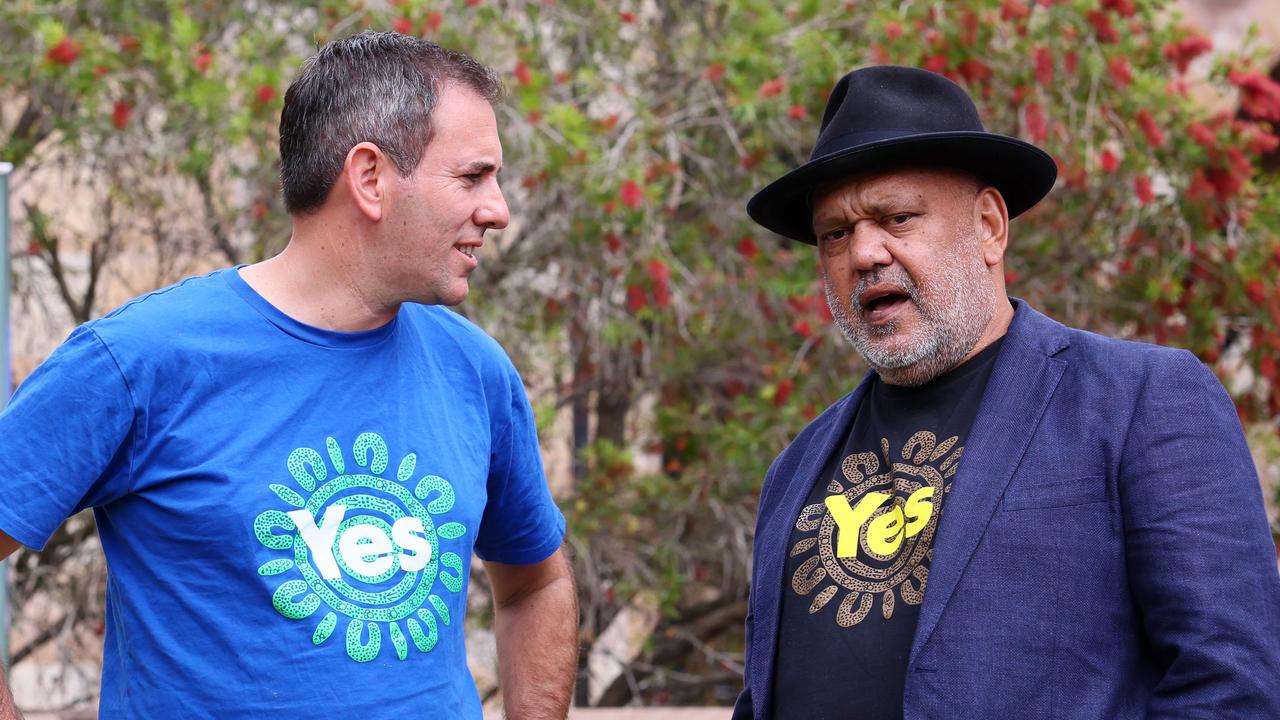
<point x="377" y="87"/>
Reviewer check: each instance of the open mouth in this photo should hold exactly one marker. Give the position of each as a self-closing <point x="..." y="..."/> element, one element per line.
<point x="468" y="250"/>
<point x="879" y="304"/>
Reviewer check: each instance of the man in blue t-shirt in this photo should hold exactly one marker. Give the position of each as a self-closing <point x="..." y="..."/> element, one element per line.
<point x="291" y="463"/>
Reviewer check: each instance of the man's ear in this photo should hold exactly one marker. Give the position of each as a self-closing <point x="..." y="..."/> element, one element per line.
<point x="367" y="174"/>
<point x="991" y="218"/>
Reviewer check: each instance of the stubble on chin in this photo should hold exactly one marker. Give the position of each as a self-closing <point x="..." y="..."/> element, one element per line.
<point x="950" y="320"/>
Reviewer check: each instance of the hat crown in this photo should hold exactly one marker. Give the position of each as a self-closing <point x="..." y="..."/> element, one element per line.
<point x="885" y="101"/>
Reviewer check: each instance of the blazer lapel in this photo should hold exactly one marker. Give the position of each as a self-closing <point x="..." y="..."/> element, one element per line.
<point x="1021" y="385"/>
<point x="772" y="545"/>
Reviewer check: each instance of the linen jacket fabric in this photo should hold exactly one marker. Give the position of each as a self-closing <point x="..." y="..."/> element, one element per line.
<point x="1103" y="553"/>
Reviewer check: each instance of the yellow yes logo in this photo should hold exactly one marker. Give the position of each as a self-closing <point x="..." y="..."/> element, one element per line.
<point x="886" y="532"/>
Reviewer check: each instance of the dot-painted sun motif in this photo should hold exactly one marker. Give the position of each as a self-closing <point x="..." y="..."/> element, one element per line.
<point x="873" y="534"/>
<point x="363" y="547"/>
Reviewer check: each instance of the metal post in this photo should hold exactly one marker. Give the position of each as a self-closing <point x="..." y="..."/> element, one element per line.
<point x="6" y="381"/>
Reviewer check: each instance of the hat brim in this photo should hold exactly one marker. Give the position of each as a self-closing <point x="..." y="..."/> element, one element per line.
<point x="1022" y="172"/>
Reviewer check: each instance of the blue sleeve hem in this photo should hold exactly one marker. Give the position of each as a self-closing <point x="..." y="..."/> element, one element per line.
<point x="530" y="556"/>
<point x="26" y="534"/>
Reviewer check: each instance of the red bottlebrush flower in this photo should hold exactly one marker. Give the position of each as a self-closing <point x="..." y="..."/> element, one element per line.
<point x="523" y="76"/>
<point x="100" y="71"/>
<point x="636" y="299"/>
<point x="1267" y="367"/>
<point x="1153" y="133"/>
<point x="892" y="30"/>
<point x="1255" y="291"/>
<point x="1259" y="94"/>
<point x="1108" y="161"/>
<point x="128" y="43"/>
<point x="202" y="62"/>
<point x="658" y="271"/>
<point x="1012" y="10"/>
<point x="1011" y="277"/>
<point x="747" y="248"/>
<point x="1142" y="188"/>
<point x="1203" y="136"/>
<point x="802" y="328"/>
<point x="610" y="122"/>
<point x="974" y="71"/>
<point x="1262" y="142"/>
<point x="33" y="248"/>
<point x="627" y="16"/>
<point x="970" y="23"/>
<point x="1102" y="27"/>
<point x="65" y="52"/>
<point x="534" y="117"/>
<point x="613" y="242"/>
<point x="936" y="63"/>
<point x="1120" y="72"/>
<point x="714" y="72"/>
<point x="432" y="23"/>
<point x="265" y="94"/>
<point x="797" y="112"/>
<point x="631" y="194"/>
<point x="1199" y="187"/>
<point x="751" y="159"/>
<point x="1183" y="51"/>
<point x="1036" y="125"/>
<point x="771" y="88"/>
<point x="1044" y="66"/>
<point x="1071" y="61"/>
<point x="783" y="392"/>
<point x="662" y="295"/>
<point x="1124" y="8"/>
<point x="120" y="114"/>
<point x="472" y="3"/>
<point x="402" y="25"/>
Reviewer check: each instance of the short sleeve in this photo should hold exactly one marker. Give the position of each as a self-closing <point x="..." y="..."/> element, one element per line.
<point x="521" y="523"/>
<point x="63" y="440"/>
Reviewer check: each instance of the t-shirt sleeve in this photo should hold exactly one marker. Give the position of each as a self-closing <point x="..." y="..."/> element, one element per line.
<point x="521" y="523"/>
<point x="63" y="440"/>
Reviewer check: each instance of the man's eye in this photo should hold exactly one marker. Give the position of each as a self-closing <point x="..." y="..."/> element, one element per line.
<point x="899" y="219"/>
<point x="833" y="235"/>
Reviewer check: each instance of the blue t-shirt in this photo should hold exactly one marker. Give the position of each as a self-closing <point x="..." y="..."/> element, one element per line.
<point x="288" y="513"/>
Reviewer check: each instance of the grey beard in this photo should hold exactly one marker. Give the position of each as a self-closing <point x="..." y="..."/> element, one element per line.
<point x="953" y="319"/>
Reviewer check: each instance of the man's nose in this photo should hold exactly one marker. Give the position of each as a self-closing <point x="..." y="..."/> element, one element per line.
<point x="493" y="212"/>
<point x="868" y="247"/>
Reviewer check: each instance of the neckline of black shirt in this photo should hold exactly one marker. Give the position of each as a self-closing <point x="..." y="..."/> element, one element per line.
<point x="941" y="385"/>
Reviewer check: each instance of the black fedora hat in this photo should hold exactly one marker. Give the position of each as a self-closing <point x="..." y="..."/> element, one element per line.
<point x="888" y="116"/>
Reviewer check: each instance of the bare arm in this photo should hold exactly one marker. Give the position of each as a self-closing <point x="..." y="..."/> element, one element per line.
<point x="8" y="711"/>
<point x="536" y="624"/>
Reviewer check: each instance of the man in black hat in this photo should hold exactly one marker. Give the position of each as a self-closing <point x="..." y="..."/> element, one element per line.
<point x="1008" y="517"/>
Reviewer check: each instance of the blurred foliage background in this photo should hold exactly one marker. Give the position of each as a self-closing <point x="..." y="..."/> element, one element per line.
<point x="673" y="348"/>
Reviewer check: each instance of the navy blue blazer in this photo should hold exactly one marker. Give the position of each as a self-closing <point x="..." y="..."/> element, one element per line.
<point x="1103" y="552"/>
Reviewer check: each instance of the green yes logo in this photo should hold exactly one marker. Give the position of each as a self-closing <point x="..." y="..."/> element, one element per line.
<point x="363" y="546"/>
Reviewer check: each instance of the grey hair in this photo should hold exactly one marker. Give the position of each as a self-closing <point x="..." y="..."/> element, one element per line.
<point x="377" y="87"/>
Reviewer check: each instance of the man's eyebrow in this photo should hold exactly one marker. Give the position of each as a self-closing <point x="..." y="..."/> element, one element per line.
<point x="478" y="167"/>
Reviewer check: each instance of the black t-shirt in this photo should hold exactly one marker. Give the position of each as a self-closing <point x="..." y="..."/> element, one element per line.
<point x="850" y="602"/>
